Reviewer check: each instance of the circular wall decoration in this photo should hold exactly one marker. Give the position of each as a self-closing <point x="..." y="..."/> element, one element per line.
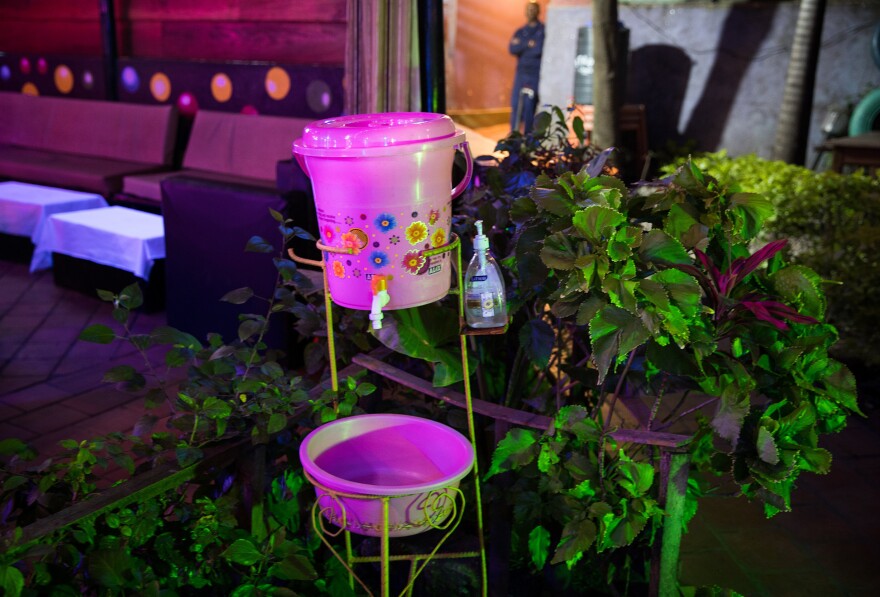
<point x="160" y="87"/>
<point x="187" y="104"/>
<point x="5" y="72"/>
<point x="277" y="83"/>
<point x="30" y="89"/>
<point x="221" y="87"/>
<point x="42" y="66"/>
<point x="249" y="109"/>
<point x="130" y="79"/>
<point x="63" y="79"/>
<point x="25" y="65"/>
<point x="88" y="79"/>
<point x="318" y="96"/>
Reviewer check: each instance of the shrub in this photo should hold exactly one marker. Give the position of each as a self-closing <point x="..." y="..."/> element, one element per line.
<point x="832" y="222"/>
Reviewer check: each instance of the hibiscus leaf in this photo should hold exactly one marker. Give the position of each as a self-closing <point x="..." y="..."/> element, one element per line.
<point x="800" y="286"/>
<point x="749" y="212"/>
<point x="597" y="222"/>
<point x="577" y="537"/>
<point x="517" y="448"/>
<point x="613" y="332"/>
<point x="660" y="247"/>
<point x="728" y="419"/>
<point x="539" y="546"/>
<point x="767" y="450"/>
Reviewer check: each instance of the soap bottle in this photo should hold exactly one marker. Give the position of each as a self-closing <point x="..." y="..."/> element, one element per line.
<point x="485" y="302"/>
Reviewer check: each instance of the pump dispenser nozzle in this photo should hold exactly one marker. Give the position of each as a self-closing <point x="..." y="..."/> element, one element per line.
<point x="481" y="242"/>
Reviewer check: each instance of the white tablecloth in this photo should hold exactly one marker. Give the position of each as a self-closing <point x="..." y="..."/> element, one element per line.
<point x="123" y="238"/>
<point x="24" y="208"/>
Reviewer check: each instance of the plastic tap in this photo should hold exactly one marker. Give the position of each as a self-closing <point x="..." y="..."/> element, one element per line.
<point x="379" y="286"/>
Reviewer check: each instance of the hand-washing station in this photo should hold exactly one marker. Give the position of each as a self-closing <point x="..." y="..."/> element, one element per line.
<point x="383" y="195"/>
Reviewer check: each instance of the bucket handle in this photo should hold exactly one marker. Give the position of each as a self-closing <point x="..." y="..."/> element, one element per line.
<point x="464" y="147"/>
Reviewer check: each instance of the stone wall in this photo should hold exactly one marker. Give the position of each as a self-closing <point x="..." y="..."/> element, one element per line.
<point x="716" y="73"/>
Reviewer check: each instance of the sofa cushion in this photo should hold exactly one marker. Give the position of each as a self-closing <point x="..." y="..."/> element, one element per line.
<point x="148" y="186"/>
<point x="241" y="144"/>
<point x="114" y="130"/>
<point x="86" y="173"/>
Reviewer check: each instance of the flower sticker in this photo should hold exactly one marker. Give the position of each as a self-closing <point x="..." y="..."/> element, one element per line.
<point x="438" y="239"/>
<point x="416" y="232"/>
<point x="413" y="262"/>
<point x="385" y="222"/>
<point x="349" y="220"/>
<point x="338" y="269"/>
<point x="393" y="239"/>
<point x="432" y="217"/>
<point x="351" y="241"/>
<point x="328" y="233"/>
<point x="378" y="259"/>
<point x="356" y="273"/>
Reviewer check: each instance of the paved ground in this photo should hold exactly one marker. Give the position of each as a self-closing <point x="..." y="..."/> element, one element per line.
<point x="50" y="382"/>
<point x="51" y="389"/>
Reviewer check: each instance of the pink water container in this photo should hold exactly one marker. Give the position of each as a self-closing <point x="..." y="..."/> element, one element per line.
<point x="383" y="187"/>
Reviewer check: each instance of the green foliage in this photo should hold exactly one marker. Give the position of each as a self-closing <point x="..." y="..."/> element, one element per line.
<point x="832" y="222"/>
<point x="221" y="532"/>
<point x="667" y="284"/>
<point x="576" y="499"/>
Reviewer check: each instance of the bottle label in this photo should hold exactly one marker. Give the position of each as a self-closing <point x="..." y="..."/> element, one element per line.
<point x="487" y="302"/>
<point x="482" y="278"/>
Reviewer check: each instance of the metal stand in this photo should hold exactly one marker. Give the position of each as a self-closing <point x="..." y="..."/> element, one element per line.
<point x="385" y="558"/>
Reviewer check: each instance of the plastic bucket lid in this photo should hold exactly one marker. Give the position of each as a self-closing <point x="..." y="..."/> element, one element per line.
<point x="362" y="135"/>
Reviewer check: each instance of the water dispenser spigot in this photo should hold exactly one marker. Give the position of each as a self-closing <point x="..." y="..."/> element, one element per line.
<point x="379" y="287"/>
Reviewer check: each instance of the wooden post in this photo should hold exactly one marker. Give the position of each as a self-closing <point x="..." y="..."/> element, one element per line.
<point x="665" y="551"/>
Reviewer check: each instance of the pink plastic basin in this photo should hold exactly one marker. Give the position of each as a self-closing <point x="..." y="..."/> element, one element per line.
<point x="415" y="460"/>
<point x="383" y="186"/>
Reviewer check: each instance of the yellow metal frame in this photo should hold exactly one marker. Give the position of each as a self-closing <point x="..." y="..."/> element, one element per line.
<point x="385" y="558"/>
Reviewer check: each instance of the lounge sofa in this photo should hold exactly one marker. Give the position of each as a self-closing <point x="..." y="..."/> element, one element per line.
<point x="236" y="168"/>
<point x="226" y="148"/>
<point x="86" y="145"/>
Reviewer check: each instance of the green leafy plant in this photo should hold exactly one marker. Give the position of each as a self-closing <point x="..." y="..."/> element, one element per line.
<point x="600" y="501"/>
<point x="235" y="530"/>
<point x="831" y="221"/>
<point x="655" y="287"/>
<point x="666" y="272"/>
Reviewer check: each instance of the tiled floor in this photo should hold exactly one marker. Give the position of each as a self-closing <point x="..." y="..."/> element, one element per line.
<point x="50" y="381"/>
<point x="51" y="389"/>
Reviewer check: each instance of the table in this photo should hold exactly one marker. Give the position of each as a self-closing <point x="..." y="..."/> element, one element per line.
<point x="861" y="150"/>
<point x="24" y="208"/>
<point x="118" y="237"/>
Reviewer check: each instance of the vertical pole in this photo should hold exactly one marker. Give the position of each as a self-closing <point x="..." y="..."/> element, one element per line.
<point x="470" y="416"/>
<point x="349" y="557"/>
<point x="331" y="345"/>
<point x="386" y="558"/>
<point x="606" y="72"/>
<point x="431" y="57"/>
<point x="674" y="468"/>
<point x="108" y="44"/>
